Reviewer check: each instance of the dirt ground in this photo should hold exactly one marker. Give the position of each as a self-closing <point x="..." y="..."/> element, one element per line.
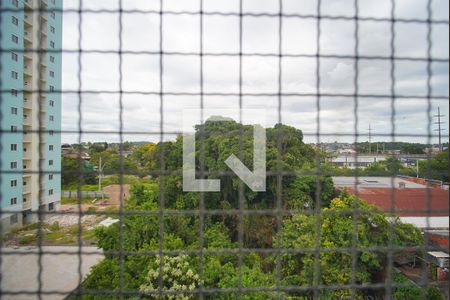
<point x="113" y="201"/>
<point x="114" y="193"/>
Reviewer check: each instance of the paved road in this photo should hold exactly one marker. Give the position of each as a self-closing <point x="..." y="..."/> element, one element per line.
<point x="19" y="269"/>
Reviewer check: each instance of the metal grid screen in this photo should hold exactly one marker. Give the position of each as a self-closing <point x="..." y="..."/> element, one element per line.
<point x="277" y="289"/>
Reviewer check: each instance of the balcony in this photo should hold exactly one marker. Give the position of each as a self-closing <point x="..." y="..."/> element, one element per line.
<point x="28" y="19"/>
<point x="26" y="153"/>
<point x="28" y="56"/>
<point x="26" y="120"/>
<point x="26" y="186"/>
<point x="28" y="36"/>
<point x="43" y="76"/>
<point x="26" y="137"/>
<point x="28" y="70"/>
<point x="26" y="202"/>
<point x="26" y="190"/>
<point x="27" y="102"/>
<point x="27" y="86"/>
<point x="43" y="106"/>
<point x="26" y="165"/>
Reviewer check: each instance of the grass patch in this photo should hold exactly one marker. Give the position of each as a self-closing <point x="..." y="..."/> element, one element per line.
<point x="68" y="235"/>
<point x="106" y="181"/>
<point x="28" y="239"/>
<point x="53" y="234"/>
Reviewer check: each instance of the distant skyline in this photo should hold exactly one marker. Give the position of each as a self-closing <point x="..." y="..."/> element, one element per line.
<point x="181" y="33"/>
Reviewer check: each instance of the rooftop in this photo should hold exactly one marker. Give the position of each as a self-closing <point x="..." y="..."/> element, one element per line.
<point x="375" y="182"/>
<point x="411" y="200"/>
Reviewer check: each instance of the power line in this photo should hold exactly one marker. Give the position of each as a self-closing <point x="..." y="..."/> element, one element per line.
<point x="440" y="129"/>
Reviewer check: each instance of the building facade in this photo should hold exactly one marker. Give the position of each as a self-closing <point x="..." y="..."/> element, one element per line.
<point x="30" y="115"/>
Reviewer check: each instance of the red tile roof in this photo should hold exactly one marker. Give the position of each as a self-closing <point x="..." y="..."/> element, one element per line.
<point x="409" y="202"/>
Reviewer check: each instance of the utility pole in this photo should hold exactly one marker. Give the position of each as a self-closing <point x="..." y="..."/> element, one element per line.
<point x="370" y="138"/>
<point x="439" y="123"/>
<point x="100" y="173"/>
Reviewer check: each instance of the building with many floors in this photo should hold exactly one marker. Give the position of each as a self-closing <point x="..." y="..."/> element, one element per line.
<point x="30" y="115"/>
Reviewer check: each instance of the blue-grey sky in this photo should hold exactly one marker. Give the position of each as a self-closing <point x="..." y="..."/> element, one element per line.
<point x="141" y="72"/>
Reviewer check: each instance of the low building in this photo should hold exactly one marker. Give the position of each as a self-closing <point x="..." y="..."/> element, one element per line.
<point x="416" y="202"/>
<point x="352" y="161"/>
<point x="83" y="155"/>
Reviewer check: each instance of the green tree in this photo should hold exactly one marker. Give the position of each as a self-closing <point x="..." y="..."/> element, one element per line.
<point x="341" y="228"/>
<point x="76" y="171"/>
<point x="437" y="168"/>
<point x="304" y="190"/>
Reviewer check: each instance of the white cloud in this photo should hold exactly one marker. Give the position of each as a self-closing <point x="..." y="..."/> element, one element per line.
<point x="181" y="74"/>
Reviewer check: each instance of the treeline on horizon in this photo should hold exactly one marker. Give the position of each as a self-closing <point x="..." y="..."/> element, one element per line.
<point x="143" y="159"/>
<point x="361" y="147"/>
<point x="230" y="249"/>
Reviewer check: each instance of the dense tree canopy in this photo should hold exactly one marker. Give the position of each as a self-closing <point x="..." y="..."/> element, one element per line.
<point x="437" y="168"/>
<point x="338" y="226"/>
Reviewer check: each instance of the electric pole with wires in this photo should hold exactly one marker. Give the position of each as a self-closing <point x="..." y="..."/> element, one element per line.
<point x="440" y="129"/>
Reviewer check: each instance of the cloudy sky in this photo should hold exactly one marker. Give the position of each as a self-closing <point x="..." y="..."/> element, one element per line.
<point x="260" y="74"/>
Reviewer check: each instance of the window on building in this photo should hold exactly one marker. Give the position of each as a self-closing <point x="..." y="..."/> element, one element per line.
<point x="14" y="183"/>
<point x="52" y="103"/>
<point x="52" y="44"/>
<point x="13" y="128"/>
<point x="51" y="118"/>
<point x="15" y="39"/>
<point x="13" y="219"/>
<point x="14" y="56"/>
<point x="50" y="192"/>
<point x="14" y="110"/>
<point x="51" y="132"/>
<point x="15" y="3"/>
<point x="14" y="75"/>
<point x="52" y="88"/>
<point x="52" y="59"/>
<point x="14" y="165"/>
<point x="52" y="29"/>
<point x="14" y="92"/>
<point x="50" y="162"/>
<point x="50" y="177"/>
<point x="51" y="148"/>
<point x="52" y="15"/>
<point x="51" y="206"/>
<point x="15" y="21"/>
<point x="13" y="201"/>
<point x="52" y="74"/>
<point x="13" y="147"/>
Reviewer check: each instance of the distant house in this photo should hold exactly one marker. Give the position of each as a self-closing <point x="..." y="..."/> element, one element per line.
<point x="84" y="156"/>
<point x="66" y="148"/>
<point x="126" y="154"/>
